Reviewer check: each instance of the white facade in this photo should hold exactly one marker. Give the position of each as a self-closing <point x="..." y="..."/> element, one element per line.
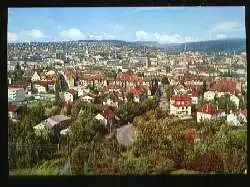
<point x="204" y="116"/>
<point x="232" y="119"/>
<point x="102" y="119"/>
<point x="68" y="97"/>
<point x="50" y="97"/>
<point x="35" y="77"/>
<point x="110" y="102"/>
<point x="52" y="87"/>
<point x="9" y="80"/>
<point x="16" y="94"/>
<point x="194" y="100"/>
<point x="87" y="99"/>
<point x="209" y="95"/>
<point x="236" y="120"/>
<point x="80" y="91"/>
<point x="180" y="110"/>
<point x="235" y="99"/>
<point x="137" y="99"/>
<point x="40" y="88"/>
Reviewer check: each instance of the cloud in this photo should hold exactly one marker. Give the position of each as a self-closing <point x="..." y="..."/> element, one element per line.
<point x="95" y="37"/>
<point x="221" y="36"/>
<point x="27" y="35"/>
<point x="162" y="38"/>
<point x="118" y="27"/>
<point x="59" y="27"/>
<point x="227" y="26"/>
<point x="12" y="37"/>
<point x="103" y="36"/>
<point x="77" y="34"/>
<point x="35" y="34"/>
<point x="108" y="36"/>
<point x="72" y="34"/>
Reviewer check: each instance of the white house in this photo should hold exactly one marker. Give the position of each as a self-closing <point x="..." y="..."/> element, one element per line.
<point x="111" y="102"/>
<point x="237" y="118"/>
<point x="12" y="110"/>
<point x="87" y="98"/>
<point x="40" y="88"/>
<point x="9" y="80"/>
<point x="35" y="77"/>
<point x="102" y="119"/>
<point x="70" y="95"/>
<point x="206" y="112"/>
<point x="209" y="95"/>
<point x="235" y="100"/>
<point x="180" y="105"/>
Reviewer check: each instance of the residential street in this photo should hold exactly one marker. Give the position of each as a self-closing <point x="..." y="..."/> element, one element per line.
<point x="164" y="103"/>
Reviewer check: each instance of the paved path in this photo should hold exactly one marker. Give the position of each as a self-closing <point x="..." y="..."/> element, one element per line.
<point x="124" y="135"/>
<point x="164" y="103"/>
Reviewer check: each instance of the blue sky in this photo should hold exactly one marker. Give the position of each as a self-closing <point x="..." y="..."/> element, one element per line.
<point x="162" y="24"/>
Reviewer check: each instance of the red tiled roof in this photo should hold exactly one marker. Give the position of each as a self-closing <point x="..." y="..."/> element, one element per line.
<point x="224" y="86"/>
<point x="182" y="100"/>
<point x="108" y="114"/>
<point x="12" y="108"/>
<point x="17" y="86"/>
<point x="92" y="94"/>
<point x="73" y="92"/>
<point x="137" y="91"/>
<point x="104" y="88"/>
<point x="45" y="83"/>
<point x="126" y="77"/>
<point x="243" y="112"/>
<point x="208" y="109"/>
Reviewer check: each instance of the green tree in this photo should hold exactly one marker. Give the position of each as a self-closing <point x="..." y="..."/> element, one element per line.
<point x="130" y="96"/>
<point x="165" y="80"/>
<point x="169" y="91"/>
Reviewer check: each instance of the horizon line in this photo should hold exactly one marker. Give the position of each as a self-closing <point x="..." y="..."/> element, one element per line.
<point x="60" y="41"/>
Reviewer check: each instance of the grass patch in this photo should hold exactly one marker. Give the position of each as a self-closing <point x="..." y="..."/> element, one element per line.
<point x="184" y="172"/>
<point x="46" y="168"/>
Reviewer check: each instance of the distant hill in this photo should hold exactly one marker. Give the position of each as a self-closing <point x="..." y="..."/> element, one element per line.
<point x="149" y="43"/>
<point x="203" y="46"/>
<point x="226" y="45"/>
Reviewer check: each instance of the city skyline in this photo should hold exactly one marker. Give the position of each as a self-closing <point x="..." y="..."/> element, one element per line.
<point x="127" y="23"/>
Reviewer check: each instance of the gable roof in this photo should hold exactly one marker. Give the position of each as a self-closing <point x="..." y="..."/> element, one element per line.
<point x="73" y="92"/>
<point x="108" y="114"/>
<point x="12" y="108"/>
<point x="181" y="100"/>
<point x="208" y="109"/>
<point x="224" y="86"/>
<point x="243" y="112"/>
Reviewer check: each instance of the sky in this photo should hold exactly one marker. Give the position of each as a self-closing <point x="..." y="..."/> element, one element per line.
<point x="161" y="24"/>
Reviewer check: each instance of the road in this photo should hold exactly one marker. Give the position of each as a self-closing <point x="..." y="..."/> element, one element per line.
<point x="124" y="135"/>
<point x="164" y="103"/>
